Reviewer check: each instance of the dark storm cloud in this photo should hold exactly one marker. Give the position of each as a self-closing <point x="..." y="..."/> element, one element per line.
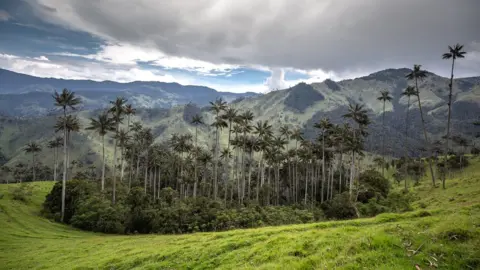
<point x="331" y="35"/>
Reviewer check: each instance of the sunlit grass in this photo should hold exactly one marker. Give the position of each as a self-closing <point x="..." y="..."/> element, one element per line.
<point x="444" y="229"/>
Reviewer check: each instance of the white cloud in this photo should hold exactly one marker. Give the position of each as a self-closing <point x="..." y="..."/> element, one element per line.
<point x="85" y="70"/>
<point x="41" y="58"/>
<point x="126" y="54"/>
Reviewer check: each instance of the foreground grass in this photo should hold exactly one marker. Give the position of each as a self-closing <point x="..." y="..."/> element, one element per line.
<point x="443" y="231"/>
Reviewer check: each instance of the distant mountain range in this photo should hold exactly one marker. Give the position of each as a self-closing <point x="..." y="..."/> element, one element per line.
<point x="301" y="105"/>
<point x="25" y="95"/>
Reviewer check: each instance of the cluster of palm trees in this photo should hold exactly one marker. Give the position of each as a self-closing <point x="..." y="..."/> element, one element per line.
<point x="258" y="163"/>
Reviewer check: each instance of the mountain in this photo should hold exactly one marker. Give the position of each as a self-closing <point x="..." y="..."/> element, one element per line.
<point x="301" y="105"/>
<point x="24" y="95"/>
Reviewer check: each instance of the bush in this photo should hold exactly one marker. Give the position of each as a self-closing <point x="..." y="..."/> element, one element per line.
<point x="99" y="215"/>
<point x="339" y="208"/>
<point x="22" y="193"/>
<point x="374" y="185"/>
<point x="75" y="192"/>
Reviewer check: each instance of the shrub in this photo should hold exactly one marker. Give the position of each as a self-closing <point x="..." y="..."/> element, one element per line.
<point x="22" y="193"/>
<point x="75" y="192"/>
<point x="374" y="185"/>
<point x="339" y="208"/>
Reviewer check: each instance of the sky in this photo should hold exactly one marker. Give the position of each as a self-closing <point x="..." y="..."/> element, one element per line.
<point x="232" y="45"/>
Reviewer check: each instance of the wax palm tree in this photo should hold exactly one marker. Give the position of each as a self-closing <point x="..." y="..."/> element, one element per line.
<point x="145" y="138"/>
<point x="263" y="130"/>
<point x="33" y="148"/>
<point x="359" y="115"/>
<point x="419" y="74"/>
<point x="454" y="53"/>
<point x="117" y="110"/>
<point x="245" y="123"/>
<point x="384" y="97"/>
<point x="196" y="121"/>
<point x="219" y="124"/>
<point x="102" y="125"/>
<point x="66" y="100"/>
<point x="217" y="107"/>
<point x="123" y="138"/>
<point x="297" y="136"/>
<point x="136" y="128"/>
<point x="409" y="92"/>
<point x="325" y="125"/>
<point x="55" y="144"/>
<point x="205" y="158"/>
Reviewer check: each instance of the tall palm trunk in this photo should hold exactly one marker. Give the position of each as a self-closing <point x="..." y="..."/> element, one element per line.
<point x="323" y="166"/>
<point x="130" y="171"/>
<point x="447" y="144"/>
<point x="68" y="156"/>
<point x="195" y="174"/>
<point x="146" y="173"/>
<point x="406" y="143"/>
<point x="306" y="182"/>
<point x="114" y="189"/>
<point x="122" y="153"/>
<point x="215" y="165"/>
<point x="383" y="140"/>
<point x="250" y="175"/>
<point x="244" y="175"/>
<point x="103" y="162"/>
<point x="137" y="171"/>
<point x="64" y="177"/>
<point x="340" y="169"/>
<point x="33" y="166"/>
<point x="425" y="133"/>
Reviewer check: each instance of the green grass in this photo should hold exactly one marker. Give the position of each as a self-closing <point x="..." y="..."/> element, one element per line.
<point x="443" y="229"/>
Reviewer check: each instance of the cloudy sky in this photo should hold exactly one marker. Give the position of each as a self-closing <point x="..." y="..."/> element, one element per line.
<point x="233" y="45"/>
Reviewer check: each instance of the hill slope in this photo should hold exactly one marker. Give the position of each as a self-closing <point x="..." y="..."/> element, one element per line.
<point x="302" y="106"/>
<point x="446" y="232"/>
<point x="24" y="95"/>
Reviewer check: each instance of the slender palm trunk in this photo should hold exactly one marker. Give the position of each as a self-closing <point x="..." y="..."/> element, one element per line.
<point x="146" y="173"/>
<point x="64" y="177"/>
<point x="122" y="166"/>
<point x="68" y="156"/>
<point x="195" y="174"/>
<point x="306" y="182"/>
<point x="406" y="143"/>
<point x="122" y="170"/>
<point x="447" y="143"/>
<point x="137" y="171"/>
<point x="340" y="169"/>
<point x="215" y="165"/>
<point x="114" y="189"/>
<point x="130" y="171"/>
<point x="103" y="162"/>
<point x="154" y="181"/>
<point x="244" y="175"/>
<point x="33" y="166"/>
<point x="383" y="140"/>
<point x="425" y="133"/>
<point x="323" y="167"/>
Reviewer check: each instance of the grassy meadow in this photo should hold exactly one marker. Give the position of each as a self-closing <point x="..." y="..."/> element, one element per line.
<point x="443" y="232"/>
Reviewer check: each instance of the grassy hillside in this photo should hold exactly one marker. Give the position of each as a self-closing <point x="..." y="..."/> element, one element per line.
<point x="443" y="230"/>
